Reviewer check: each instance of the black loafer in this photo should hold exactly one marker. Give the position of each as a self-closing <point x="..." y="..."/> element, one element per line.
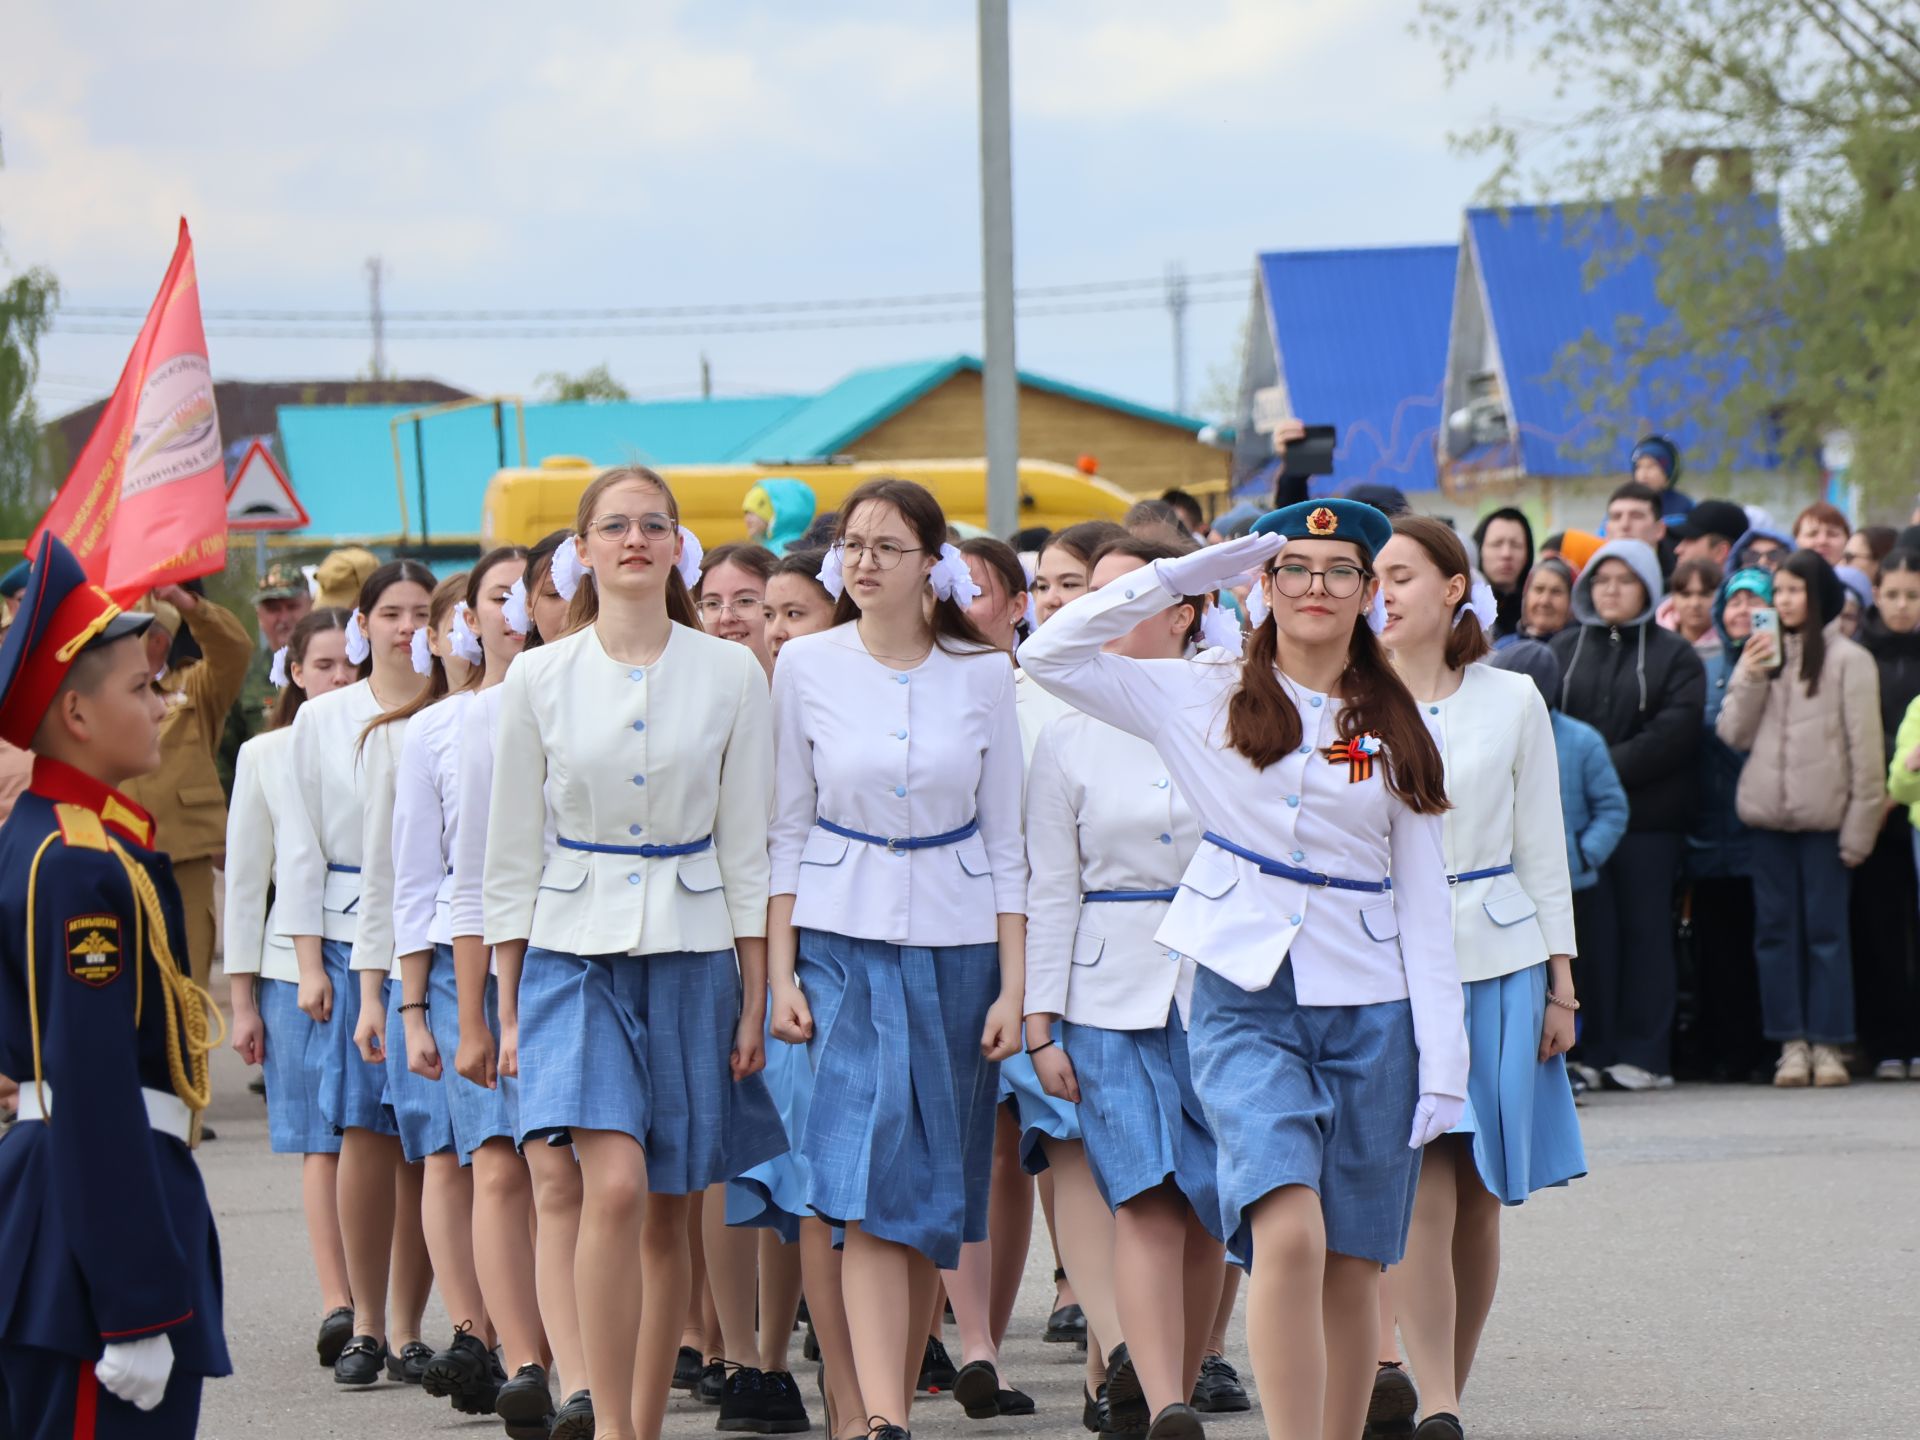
<point x="1177" y="1422"/>
<point x="1440" y="1426"/>
<point x="936" y="1369"/>
<point x="1014" y="1402"/>
<point x="687" y="1366"/>
<point x="1126" y="1402"/>
<point x="1093" y="1412"/>
<point x="575" y="1418"/>
<point x="1395" y="1402"/>
<point x="360" y="1361"/>
<point x="1218" y="1391"/>
<point x="525" y="1404"/>
<point x="409" y="1366"/>
<point x="977" y="1388"/>
<point x="713" y="1381"/>
<point x="335" y="1330"/>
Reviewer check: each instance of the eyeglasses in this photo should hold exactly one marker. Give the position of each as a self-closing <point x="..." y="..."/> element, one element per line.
<point x="1340" y="581"/>
<point x="884" y="553"/>
<point x="743" y="606"/>
<point x="652" y="527"/>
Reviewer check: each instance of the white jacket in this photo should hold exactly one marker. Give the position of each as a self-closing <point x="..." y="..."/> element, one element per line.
<point x="1503" y="778"/>
<point x="1346" y="947"/>
<point x="373" y="947"/>
<point x="466" y="910"/>
<point x="324" y="831"/>
<point x="262" y="779"/>
<point x="661" y="755"/>
<point x="426" y="820"/>
<point x="1102" y="814"/>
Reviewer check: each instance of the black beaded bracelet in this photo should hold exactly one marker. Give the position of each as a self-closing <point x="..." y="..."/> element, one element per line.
<point x="416" y="1005"/>
<point x="1038" y="1048"/>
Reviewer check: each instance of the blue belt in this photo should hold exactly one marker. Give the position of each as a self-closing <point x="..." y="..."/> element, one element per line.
<point x="645" y="852"/>
<point x="897" y="844"/>
<point x="333" y="869"/>
<point x="1294" y="872"/>
<point x="1487" y="874"/>
<point x="1092" y="896"/>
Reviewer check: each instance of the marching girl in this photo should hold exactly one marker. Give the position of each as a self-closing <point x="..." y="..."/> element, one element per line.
<point x="1107" y="840"/>
<point x="320" y="911"/>
<point x="621" y="1001"/>
<point x="798" y="604"/>
<point x="1325" y="1030"/>
<point x="897" y="919"/>
<point x="1506" y="859"/>
<point x="731" y="597"/>
<point x="505" y="624"/>
<point x="263" y="975"/>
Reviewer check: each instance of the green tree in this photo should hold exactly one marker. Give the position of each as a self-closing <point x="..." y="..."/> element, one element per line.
<point x="595" y="384"/>
<point x="1813" y="103"/>
<point x="27" y="302"/>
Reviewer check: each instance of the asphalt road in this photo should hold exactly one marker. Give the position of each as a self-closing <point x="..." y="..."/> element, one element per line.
<point x="1740" y="1263"/>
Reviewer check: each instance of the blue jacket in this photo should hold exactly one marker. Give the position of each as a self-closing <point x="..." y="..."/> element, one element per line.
<point x="1593" y="803"/>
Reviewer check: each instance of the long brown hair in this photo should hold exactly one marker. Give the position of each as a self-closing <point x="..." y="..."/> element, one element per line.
<point x="539" y="566"/>
<point x="1148" y="550"/>
<point x="1467" y="641"/>
<point x="393" y="573"/>
<point x="1264" y="725"/>
<point x="1809" y="568"/>
<point x="585" y="608"/>
<point x="446" y="595"/>
<point x="293" y="696"/>
<point x="953" y="629"/>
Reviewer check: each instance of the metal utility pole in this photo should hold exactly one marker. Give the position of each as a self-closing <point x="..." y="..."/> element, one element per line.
<point x="1177" y="308"/>
<point x="1000" y="379"/>
<point x="706" y="378"/>
<point x="377" y="318"/>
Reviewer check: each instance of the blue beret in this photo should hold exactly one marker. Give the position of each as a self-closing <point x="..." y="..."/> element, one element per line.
<point x="15" y="580"/>
<point x="1329" y="520"/>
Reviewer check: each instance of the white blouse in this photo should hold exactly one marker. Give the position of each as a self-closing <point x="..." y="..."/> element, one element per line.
<point x="1503" y="777"/>
<point x="262" y="780"/>
<point x="426" y="819"/>
<point x="1035" y="709"/>
<point x="665" y="754"/>
<point x="466" y="910"/>
<point x="1335" y="818"/>
<point x="323" y="835"/>
<point x="373" y="947"/>
<point x="899" y="754"/>
<point x="1103" y="815"/>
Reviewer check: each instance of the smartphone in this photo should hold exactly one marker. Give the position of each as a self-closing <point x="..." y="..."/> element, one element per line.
<point x="1768" y="621"/>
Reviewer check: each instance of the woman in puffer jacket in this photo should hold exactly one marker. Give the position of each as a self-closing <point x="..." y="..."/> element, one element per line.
<point x="1814" y="791"/>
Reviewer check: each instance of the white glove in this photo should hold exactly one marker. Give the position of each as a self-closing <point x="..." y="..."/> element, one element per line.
<point x="137" y="1370"/>
<point x="1205" y="571"/>
<point x="1433" y="1117"/>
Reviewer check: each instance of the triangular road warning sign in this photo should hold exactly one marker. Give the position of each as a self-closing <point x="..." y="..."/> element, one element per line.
<point x="259" y="497"/>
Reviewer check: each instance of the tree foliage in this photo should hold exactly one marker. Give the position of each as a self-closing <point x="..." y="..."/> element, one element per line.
<point x="1815" y="104"/>
<point x="595" y="384"/>
<point x="27" y="302"/>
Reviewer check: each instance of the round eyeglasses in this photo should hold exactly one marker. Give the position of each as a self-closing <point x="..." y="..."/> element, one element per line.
<point x="652" y="527"/>
<point x="743" y="607"/>
<point x="1340" y="582"/>
<point x="885" y="554"/>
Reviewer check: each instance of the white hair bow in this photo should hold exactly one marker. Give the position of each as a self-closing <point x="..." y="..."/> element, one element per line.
<point x="1481" y="602"/>
<point x="690" y="557"/>
<point x="422" y="652"/>
<point x="312" y="574"/>
<point x="1032" y="616"/>
<point x="359" y="647"/>
<point x="832" y="575"/>
<point x="1219" y="630"/>
<point x="466" y="644"/>
<point x="1257" y="605"/>
<point x="567" y="568"/>
<point x="950" y="578"/>
<point x="514" y="610"/>
<point x="277" y="676"/>
<point x="1377" y="612"/>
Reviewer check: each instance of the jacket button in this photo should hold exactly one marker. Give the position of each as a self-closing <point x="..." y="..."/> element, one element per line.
<point x="1293" y="801"/>
<point x="1314" y="702"/>
<point x="633" y="879"/>
<point x="636" y="674"/>
<point x="1130" y="594"/>
<point x="1299" y="855"/>
<point x="633" y="829"/>
<point x="900" y="679"/>
<point x="1433" y="709"/>
<point x="899" y="734"/>
<point x="1293" y="919"/>
<point x="639" y="779"/>
<point x="901" y="791"/>
<point x="639" y="725"/>
<point x="1166" y="839"/>
<point x="1160" y="784"/>
<point x="1306" y="749"/>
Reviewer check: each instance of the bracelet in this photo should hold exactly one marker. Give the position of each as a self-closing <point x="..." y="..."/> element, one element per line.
<point x="1041" y="1046"/>
<point x="1553" y="999"/>
<point x="421" y="1005"/>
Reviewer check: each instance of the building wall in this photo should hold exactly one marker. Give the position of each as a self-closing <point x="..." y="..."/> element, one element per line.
<point x="1138" y="455"/>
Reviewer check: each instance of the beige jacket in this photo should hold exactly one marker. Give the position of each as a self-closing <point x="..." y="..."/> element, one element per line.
<point x="1815" y="762"/>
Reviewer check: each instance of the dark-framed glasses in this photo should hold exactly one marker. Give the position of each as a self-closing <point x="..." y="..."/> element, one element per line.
<point x="1340" y="582"/>
<point x="885" y="554"/>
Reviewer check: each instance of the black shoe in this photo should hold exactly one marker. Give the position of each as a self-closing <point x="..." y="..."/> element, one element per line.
<point x="459" y="1370"/>
<point x="1218" y="1391"/>
<point x="1126" y="1401"/>
<point x="936" y="1369"/>
<point x="360" y="1361"/>
<point x="1177" y="1422"/>
<point x="409" y="1366"/>
<point x="686" y="1368"/>
<point x="525" y="1404"/>
<point x="1395" y="1402"/>
<point x="810" y="1349"/>
<point x="575" y="1420"/>
<point x="977" y="1388"/>
<point x="1093" y="1411"/>
<point x="781" y="1407"/>
<point x="207" y="1132"/>
<point x="335" y="1330"/>
<point x="888" y="1432"/>
<point x="258" y="1085"/>
<point x="1440" y="1426"/>
<point x="713" y="1379"/>
<point x="1014" y="1402"/>
<point x="742" y="1400"/>
<point x="1065" y="1325"/>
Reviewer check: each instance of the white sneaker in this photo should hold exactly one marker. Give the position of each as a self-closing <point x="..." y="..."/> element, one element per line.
<point x="1890" y="1070"/>
<point x="1632" y="1077"/>
<point x="1913" y="1068"/>
<point x="1589" y="1076"/>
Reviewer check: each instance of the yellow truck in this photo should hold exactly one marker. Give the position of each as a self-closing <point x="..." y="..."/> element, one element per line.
<point x="523" y="504"/>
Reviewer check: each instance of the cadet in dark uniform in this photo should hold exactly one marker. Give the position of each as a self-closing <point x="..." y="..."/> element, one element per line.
<point x="110" y="1293"/>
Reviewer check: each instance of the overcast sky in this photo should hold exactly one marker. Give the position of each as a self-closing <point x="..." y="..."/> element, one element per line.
<point x="655" y="153"/>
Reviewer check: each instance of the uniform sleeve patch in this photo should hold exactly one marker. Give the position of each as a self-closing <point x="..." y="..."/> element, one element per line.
<point x="93" y="949"/>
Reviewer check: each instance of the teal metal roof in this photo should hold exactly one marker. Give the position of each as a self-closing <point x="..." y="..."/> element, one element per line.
<point x="825" y="425"/>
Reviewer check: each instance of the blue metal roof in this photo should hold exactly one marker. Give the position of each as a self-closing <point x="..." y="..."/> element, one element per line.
<point x="1361" y="337"/>
<point x="1532" y="262"/>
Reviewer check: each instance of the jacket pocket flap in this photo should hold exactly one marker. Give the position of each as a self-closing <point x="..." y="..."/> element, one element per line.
<point x="972" y="855"/>
<point x="823" y="847"/>
<point x="1087" y="947"/>
<point x="195" y="796"/>
<point x="563" y="872"/>
<point x="1210" y="873"/>
<point x="700" y="873"/>
<point x="341" y="893"/>
<point x="1381" y="921"/>
<point x="1510" y="908"/>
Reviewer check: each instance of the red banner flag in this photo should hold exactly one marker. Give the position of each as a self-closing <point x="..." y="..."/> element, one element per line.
<point x="146" y="502"/>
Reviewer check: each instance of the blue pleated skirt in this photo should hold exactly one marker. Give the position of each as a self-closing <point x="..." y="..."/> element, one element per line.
<point x="294" y="1123"/>
<point x="1314" y="1095"/>
<point x="642" y="1044"/>
<point x="478" y="1114"/>
<point x="900" y="1135"/>
<point x="1144" y="1124"/>
<point x="773" y="1194"/>
<point x="353" y="1094"/>
<point x="1041" y="1116"/>
<point x="1526" y="1133"/>
<point x="419" y="1105"/>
